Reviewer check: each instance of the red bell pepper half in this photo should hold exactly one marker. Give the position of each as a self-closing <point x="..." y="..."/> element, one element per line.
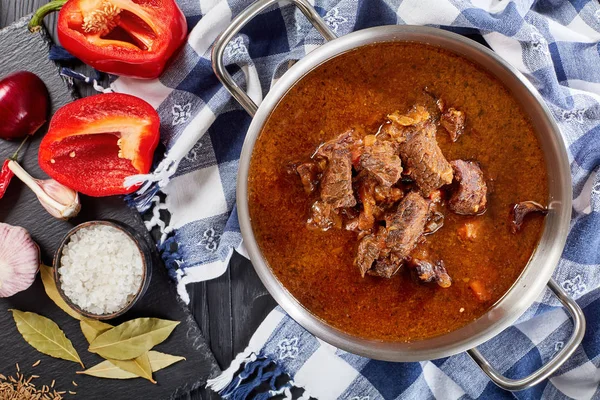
<point x="124" y="37"/>
<point x="94" y="143"/>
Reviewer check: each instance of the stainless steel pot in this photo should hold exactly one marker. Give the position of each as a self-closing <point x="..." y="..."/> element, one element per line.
<point x="535" y="277"/>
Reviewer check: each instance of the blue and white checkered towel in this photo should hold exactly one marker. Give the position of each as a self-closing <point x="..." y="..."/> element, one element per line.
<point x="191" y="194"/>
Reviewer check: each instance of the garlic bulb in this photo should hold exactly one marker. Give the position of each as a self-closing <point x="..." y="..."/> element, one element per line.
<point x="19" y="259"/>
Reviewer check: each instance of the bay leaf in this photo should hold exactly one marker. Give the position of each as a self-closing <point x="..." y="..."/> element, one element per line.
<point x="133" y="338"/>
<point x="139" y="366"/>
<point x="160" y="360"/>
<point x="107" y="369"/>
<point x="45" y="336"/>
<point x="47" y="274"/>
<point x="92" y="328"/>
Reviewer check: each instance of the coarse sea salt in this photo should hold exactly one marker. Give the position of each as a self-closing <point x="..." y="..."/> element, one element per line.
<point x="101" y="269"/>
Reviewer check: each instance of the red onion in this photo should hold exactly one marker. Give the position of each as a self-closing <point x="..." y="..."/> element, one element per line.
<point x="23" y="105"/>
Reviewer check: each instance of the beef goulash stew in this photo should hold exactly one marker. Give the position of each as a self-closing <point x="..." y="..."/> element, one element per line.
<point x="397" y="191"/>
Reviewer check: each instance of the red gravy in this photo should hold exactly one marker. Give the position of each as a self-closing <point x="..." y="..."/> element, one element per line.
<point x="358" y="89"/>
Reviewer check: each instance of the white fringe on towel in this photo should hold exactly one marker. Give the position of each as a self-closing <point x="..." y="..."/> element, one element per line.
<point x="188" y="138"/>
<point x="220" y="382"/>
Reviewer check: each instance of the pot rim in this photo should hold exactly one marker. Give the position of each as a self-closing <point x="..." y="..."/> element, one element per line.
<point x="542" y="263"/>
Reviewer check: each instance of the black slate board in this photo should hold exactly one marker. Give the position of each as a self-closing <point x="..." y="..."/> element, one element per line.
<point x="21" y="50"/>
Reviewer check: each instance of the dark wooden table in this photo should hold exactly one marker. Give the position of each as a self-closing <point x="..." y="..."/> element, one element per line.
<point x="229" y="308"/>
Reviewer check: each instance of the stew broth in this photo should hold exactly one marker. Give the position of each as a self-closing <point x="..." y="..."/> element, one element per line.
<point x="358" y="89"/>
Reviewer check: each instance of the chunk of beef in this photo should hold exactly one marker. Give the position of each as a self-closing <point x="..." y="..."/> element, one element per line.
<point x="323" y="216"/>
<point x="347" y="140"/>
<point x="381" y="160"/>
<point x="367" y="253"/>
<point x="454" y="122"/>
<point x="434" y="104"/>
<point x="369" y="249"/>
<point x="309" y="175"/>
<point x="386" y="267"/>
<point x="424" y="159"/>
<point x="470" y="196"/>
<point x="428" y="272"/>
<point x="406" y="225"/>
<point x="523" y="208"/>
<point x="336" y="184"/>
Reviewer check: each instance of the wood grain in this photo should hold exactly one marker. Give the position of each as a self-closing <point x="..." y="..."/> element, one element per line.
<point x="12" y="10"/>
<point x="227" y="309"/>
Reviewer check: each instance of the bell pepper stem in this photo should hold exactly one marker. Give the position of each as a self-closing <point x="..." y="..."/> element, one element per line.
<point x="36" y="21"/>
<point x="16" y="153"/>
<point x="30" y="182"/>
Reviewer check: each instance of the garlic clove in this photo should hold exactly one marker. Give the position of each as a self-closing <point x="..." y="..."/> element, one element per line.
<point x="19" y="259"/>
<point x="59" y="200"/>
<point x="66" y="197"/>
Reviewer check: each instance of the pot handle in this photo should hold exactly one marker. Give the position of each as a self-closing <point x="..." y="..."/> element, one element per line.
<point x="236" y="25"/>
<point x="546" y="370"/>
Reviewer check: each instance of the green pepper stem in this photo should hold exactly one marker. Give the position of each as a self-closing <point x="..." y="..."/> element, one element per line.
<point x="36" y="21"/>
<point x="16" y="153"/>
